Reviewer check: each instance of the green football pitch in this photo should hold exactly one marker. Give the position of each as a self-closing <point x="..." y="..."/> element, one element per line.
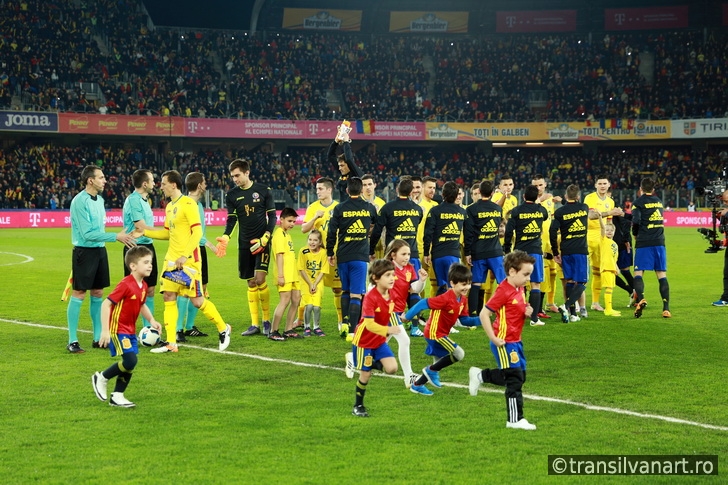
<point x="269" y="412"/>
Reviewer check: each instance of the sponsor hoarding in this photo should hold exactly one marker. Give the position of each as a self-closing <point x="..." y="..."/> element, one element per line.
<point x="535" y="21"/>
<point x="701" y="128"/>
<point x="15" y="219"/>
<point x="571" y="131"/>
<point x="94" y="124"/>
<point x="429" y="22"/>
<point x="321" y="19"/>
<point x="28" y="121"/>
<point x="646" y="18"/>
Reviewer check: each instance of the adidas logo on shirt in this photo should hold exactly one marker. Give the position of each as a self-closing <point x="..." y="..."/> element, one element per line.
<point x="532" y="228"/>
<point x="407" y="226"/>
<point x="656" y="216"/>
<point x="451" y="228"/>
<point x="357" y="228"/>
<point x="577" y="226"/>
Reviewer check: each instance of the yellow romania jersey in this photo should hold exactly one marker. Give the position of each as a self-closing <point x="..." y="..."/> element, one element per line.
<point x="608" y="251"/>
<point x="181" y="217"/>
<point x="322" y="223"/>
<point x="426" y="206"/>
<point x="593" y="201"/>
<point x="281" y="243"/>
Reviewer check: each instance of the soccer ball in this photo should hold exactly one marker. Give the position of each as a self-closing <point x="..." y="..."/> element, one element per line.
<point x="148" y="337"/>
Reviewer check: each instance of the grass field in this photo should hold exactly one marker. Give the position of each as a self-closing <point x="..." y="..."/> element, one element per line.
<point x="267" y="412"/>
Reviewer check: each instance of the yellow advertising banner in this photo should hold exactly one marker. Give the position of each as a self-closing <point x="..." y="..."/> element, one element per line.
<point x="321" y="19"/>
<point x="426" y="22"/>
<point x="615" y="129"/>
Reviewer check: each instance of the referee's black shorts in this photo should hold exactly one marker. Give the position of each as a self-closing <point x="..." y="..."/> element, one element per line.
<point x="90" y="268"/>
<point x="153" y="277"/>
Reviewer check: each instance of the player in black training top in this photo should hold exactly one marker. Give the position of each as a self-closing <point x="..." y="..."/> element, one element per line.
<point x="482" y="247"/>
<point x="341" y="159"/>
<point x="400" y="218"/>
<point x="526" y="221"/>
<point x="443" y="226"/>
<point x="350" y="225"/>
<point x="251" y="207"/>
<point x="571" y="219"/>
<point x="648" y="227"/>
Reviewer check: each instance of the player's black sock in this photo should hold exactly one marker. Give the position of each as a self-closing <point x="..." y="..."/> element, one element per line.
<point x="623" y="284"/>
<point x="122" y="381"/>
<point x="540" y="306"/>
<point x="112" y="371"/>
<point x="481" y="298"/>
<point x="421" y="381"/>
<point x="493" y="376"/>
<point x="575" y="294"/>
<point x="354" y="312"/>
<point x="473" y="300"/>
<point x="639" y="287"/>
<point x="627" y="275"/>
<point x="665" y="293"/>
<point x="443" y="362"/>
<point x="534" y="299"/>
<point x="345" y="298"/>
<point x="441" y="289"/>
<point x="514" y="395"/>
<point x="361" y="389"/>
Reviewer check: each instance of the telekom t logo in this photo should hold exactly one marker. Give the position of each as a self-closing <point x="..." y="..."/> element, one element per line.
<point x="313" y="128"/>
<point x="192" y="126"/>
<point x="510" y="21"/>
<point x="619" y="18"/>
<point x="209" y="218"/>
<point x="34" y="219"/>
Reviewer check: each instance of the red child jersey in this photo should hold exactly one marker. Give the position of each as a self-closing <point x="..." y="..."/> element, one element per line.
<point x="380" y="309"/>
<point x="509" y="306"/>
<point x="126" y="304"/>
<point x="446" y="309"/>
<point x="403" y="278"/>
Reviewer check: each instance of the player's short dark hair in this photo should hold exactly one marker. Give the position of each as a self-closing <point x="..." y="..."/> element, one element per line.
<point x="88" y="172"/>
<point x="459" y="273"/>
<point x="538" y="176"/>
<point x="378" y="268"/>
<point x="354" y="186"/>
<point x="139" y="177"/>
<point x="429" y="179"/>
<point x="193" y="181"/>
<point x="393" y="247"/>
<point x="647" y="185"/>
<point x="173" y="177"/>
<point x="450" y="192"/>
<point x="530" y="194"/>
<point x="486" y="188"/>
<point x="572" y="192"/>
<point x="326" y="182"/>
<point x="505" y="176"/>
<point x="288" y="212"/>
<point x="135" y="254"/>
<point x="475" y="186"/>
<point x="240" y="164"/>
<point x="415" y="178"/>
<point x="517" y="258"/>
<point x="405" y="186"/>
<point x="368" y="176"/>
<point x="602" y="176"/>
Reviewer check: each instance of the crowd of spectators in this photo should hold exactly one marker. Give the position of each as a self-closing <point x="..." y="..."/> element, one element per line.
<point x="47" y="47"/>
<point x="46" y="176"/>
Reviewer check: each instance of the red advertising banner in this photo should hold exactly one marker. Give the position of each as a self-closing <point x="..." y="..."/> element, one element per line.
<point x="18" y="219"/>
<point x="289" y="129"/>
<point x="94" y="124"/>
<point x="646" y="18"/>
<point x="535" y="21"/>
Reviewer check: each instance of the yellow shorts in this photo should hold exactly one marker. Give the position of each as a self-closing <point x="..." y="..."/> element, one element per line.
<point x="549" y="268"/>
<point x="193" y="269"/>
<point x="307" y="298"/>
<point x="292" y="286"/>
<point x="608" y="279"/>
<point x="594" y="252"/>
<point x="331" y="279"/>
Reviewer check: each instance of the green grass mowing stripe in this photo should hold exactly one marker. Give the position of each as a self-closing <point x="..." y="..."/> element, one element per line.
<point x="532" y="397"/>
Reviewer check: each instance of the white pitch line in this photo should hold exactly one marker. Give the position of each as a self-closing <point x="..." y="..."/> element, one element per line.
<point x="28" y="259"/>
<point x="532" y="397"/>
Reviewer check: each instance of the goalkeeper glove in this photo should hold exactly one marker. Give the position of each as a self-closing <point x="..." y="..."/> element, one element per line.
<point x="222" y="243"/>
<point x="258" y="245"/>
